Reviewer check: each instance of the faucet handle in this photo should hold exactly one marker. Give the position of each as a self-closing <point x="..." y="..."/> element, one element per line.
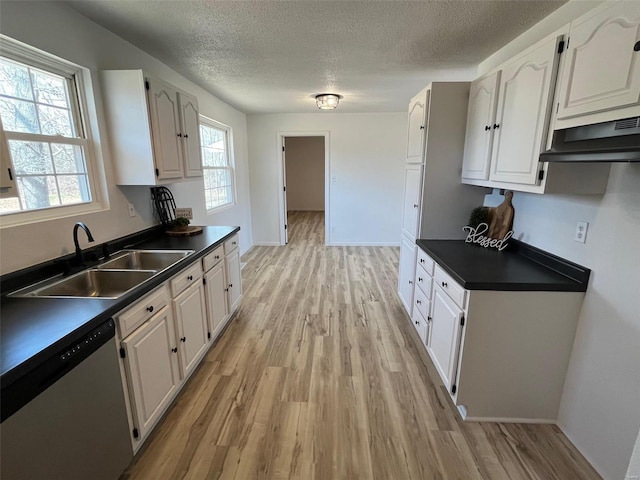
<point x="105" y="250"/>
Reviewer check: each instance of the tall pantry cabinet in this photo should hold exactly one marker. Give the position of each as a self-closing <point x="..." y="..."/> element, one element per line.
<point x="435" y="204"/>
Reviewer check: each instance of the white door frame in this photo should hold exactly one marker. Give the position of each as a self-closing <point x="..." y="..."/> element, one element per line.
<point x="327" y="173"/>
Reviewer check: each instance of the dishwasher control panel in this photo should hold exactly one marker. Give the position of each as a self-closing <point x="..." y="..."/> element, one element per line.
<point x="105" y="330"/>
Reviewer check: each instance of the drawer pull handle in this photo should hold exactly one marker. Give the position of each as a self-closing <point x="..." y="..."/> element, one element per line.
<point x="418" y="302"/>
<point x="444" y="284"/>
<point x="150" y="308"/>
<point x="174" y="349"/>
<point x="183" y="339"/>
<point x="190" y="277"/>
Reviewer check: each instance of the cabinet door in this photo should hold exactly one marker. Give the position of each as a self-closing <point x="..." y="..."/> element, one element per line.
<point x="602" y="68"/>
<point x="192" y="325"/>
<point x="521" y="121"/>
<point x="444" y="337"/>
<point x="216" y="294"/>
<point x="417" y="128"/>
<point x="190" y="121"/>
<point x="152" y="369"/>
<point x="483" y="101"/>
<point x="411" y="200"/>
<point x="165" y="127"/>
<point x="234" y="280"/>
<point x="406" y="272"/>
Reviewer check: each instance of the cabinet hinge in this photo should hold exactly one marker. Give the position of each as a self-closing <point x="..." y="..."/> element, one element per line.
<point x="10" y="174"/>
<point x="146" y="84"/>
<point x="541" y="175"/>
<point x="135" y="433"/>
<point x="157" y="172"/>
<point x="561" y="46"/>
<point x="283" y="148"/>
<point x="284" y="189"/>
<point x="454" y="389"/>
<point x="122" y="353"/>
<point x="209" y="335"/>
<point x="204" y="281"/>
<point x="462" y="321"/>
<point x="285" y="226"/>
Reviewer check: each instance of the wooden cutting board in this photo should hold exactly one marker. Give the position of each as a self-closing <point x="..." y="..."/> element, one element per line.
<point x="501" y="217"/>
<point x="190" y="231"/>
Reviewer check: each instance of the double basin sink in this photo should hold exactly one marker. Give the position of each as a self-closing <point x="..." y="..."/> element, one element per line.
<point x="124" y="271"/>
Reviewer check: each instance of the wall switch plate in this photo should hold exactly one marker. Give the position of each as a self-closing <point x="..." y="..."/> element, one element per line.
<point x="581" y="232"/>
<point x="132" y="210"/>
<point x="184" y="212"/>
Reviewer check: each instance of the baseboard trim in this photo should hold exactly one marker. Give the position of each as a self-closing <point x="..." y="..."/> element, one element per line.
<point x="543" y="421"/>
<point x="362" y="244"/>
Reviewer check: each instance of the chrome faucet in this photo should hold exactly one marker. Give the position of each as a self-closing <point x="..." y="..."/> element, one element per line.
<point x="79" y="257"/>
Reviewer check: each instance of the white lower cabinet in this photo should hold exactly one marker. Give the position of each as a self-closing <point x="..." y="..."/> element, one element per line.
<point x="165" y="335"/>
<point x="502" y="355"/>
<point x="406" y="272"/>
<point x="193" y="327"/>
<point x="444" y="338"/>
<point x="150" y="355"/>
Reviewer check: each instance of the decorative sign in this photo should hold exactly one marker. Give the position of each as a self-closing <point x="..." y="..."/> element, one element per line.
<point x="475" y="235"/>
<point x="184" y="213"/>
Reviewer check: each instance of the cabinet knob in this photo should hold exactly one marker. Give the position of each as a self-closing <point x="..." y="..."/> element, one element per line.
<point x="226" y="289"/>
<point x="444" y="284"/>
<point x="190" y="277"/>
<point x="180" y="135"/>
<point x="183" y="339"/>
<point x="217" y="257"/>
<point x="415" y="205"/>
<point x="419" y="279"/>
<point x="410" y="282"/>
<point x="422" y="260"/>
<point x="496" y="125"/>
<point x="186" y="135"/>
<point x="150" y="308"/>
<point x="419" y="302"/>
<point x="636" y="47"/>
<point x="234" y="243"/>
<point x="174" y="349"/>
<point x="231" y="285"/>
<point x="487" y="127"/>
<point x="429" y="319"/>
<point x="417" y="323"/>
<point x="421" y="127"/>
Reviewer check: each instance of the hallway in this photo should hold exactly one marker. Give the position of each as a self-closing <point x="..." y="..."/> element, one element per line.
<point x="320" y="376"/>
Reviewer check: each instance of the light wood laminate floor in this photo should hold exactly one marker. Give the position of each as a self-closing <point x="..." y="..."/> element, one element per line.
<point x="320" y="376"/>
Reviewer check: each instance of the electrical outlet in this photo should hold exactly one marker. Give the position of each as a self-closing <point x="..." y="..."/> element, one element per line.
<point x="184" y="212"/>
<point x="132" y="210"/>
<point x="581" y="232"/>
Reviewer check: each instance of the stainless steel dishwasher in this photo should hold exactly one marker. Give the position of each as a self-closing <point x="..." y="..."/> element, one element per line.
<point x="77" y="428"/>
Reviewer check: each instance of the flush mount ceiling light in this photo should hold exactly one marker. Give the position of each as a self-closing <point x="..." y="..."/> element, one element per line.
<point x="327" y="101"/>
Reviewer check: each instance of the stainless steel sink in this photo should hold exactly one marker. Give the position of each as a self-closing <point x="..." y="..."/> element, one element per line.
<point x="91" y="283"/>
<point x="145" y="259"/>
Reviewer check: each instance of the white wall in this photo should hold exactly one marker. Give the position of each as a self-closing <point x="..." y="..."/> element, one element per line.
<point x="305" y="173"/>
<point x="599" y="408"/>
<point x="367" y="153"/>
<point x="54" y="28"/>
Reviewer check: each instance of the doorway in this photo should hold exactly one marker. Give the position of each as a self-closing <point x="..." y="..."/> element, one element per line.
<point x="305" y="193"/>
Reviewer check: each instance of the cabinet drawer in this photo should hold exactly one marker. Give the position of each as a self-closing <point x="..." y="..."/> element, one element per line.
<point x="421" y="325"/>
<point x="231" y="244"/>
<point x="449" y="285"/>
<point x="425" y="261"/>
<point x="185" y="278"/>
<point x="423" y="280"/>
<point x="213" y="258"/>
<point x="143" y="310"/>
<point x="421" y="303"/>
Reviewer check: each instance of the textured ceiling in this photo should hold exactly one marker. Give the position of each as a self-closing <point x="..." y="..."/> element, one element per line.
<point x="272" y="56"/>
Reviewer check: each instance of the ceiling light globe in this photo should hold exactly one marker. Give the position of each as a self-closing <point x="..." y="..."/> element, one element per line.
<point x="327" y="101"/>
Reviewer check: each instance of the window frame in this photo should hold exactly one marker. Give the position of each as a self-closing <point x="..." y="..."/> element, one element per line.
<point x="209" y="122"/>
<point x="85" y="123"/>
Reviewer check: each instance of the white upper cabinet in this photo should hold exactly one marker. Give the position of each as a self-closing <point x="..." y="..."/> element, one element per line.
<point x="165" y="127"/>
<point x="483" y="100"/>
<point x="190" y="123"/>
<point x="417" y="126"/>
<point x="153" y="128"/>
<point x="602" y="65"/>
<point x="521" y="121"/>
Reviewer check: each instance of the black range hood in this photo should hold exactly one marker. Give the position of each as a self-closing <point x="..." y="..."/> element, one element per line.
<point x="617" y="141"/>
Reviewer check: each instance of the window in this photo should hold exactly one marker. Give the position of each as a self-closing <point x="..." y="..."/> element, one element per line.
<point x="217" y="164"/>
<point x="40" y="116"/>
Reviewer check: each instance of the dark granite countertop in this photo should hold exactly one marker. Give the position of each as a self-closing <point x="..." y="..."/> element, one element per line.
<point x="521" y="267"/>
<point x="34" y="329"/>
